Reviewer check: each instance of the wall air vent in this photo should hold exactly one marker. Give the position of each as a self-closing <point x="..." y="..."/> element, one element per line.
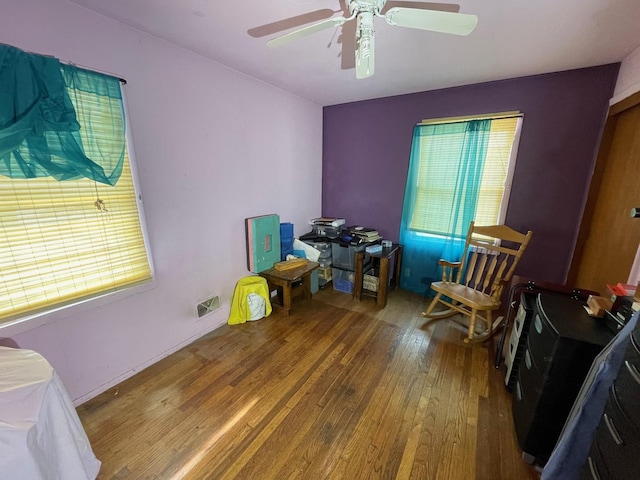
<point x="207" y="306"/>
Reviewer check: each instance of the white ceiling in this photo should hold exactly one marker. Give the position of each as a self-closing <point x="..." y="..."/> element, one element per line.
<point x="513" y="38"/>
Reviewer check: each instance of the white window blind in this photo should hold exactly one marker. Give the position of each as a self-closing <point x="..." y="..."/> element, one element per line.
<point x="438" y="171"/>
<point x="65" y="241"/>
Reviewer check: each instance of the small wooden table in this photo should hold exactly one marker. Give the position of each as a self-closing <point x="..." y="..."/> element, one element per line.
<point x="383" y="279"/>
<point x="290" y="283"/>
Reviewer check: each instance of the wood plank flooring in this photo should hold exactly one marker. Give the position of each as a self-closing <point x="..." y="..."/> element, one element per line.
<point x="338" y="390"/>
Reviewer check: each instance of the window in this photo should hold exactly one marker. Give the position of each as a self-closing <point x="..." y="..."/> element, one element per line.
<point x="66" y="241"/>
<point x="440" y="161"/>
<point x="459" y="171"/>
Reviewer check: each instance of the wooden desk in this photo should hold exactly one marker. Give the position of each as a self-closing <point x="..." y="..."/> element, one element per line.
<point x="383" y="279"/>
<point x="288" y="285"/>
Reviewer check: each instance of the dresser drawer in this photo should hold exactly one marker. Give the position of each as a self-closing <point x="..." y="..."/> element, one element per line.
<point x="635" y="339"/>
<point x="626" y="404"/>
<point x="542" y="342"/>
<point x="524" y="417"/>
<point x="618" y="443"/>
<point x="532" y="382"/>
<point x="594" y="468"/>
<point x="628" y="380"/>
<point x="540" y="409"/>
<point x="532" y="433"/>
<point x="626" y="388"/>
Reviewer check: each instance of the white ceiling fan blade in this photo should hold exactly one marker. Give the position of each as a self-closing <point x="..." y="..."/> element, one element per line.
<point x="365" y="58"/>
<point x="436" y="21"/>
<point x="303" y="32"/>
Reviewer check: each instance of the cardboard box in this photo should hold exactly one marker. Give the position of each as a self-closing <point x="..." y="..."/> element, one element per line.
<point x="598" y="305"/>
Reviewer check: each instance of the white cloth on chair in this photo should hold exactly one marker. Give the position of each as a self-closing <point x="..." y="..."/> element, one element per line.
<point x="41" y="436"/>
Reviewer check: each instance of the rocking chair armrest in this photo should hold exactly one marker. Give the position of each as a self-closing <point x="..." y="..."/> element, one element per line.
<point x="446" y="263"/>
<point x="447" y="269"/>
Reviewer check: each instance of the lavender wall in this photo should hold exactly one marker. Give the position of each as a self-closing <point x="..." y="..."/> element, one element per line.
<point x="200" y="178"/>
<point x="366" y="149"/>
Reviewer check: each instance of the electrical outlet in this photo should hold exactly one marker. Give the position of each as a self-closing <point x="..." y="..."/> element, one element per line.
<point x="207" y="306"/>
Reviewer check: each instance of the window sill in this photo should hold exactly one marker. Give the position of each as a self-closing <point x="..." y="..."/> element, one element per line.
<point x="31" y="322"/>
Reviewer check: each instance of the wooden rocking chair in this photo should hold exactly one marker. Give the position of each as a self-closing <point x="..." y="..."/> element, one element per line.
<point x="490" y="256"/>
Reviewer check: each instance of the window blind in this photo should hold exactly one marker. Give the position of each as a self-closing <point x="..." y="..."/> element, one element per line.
<point x="436" y="180"/>
<point x="63" y="241"/>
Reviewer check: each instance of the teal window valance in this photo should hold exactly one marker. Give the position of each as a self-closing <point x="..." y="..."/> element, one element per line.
<point x="47" y="120"/>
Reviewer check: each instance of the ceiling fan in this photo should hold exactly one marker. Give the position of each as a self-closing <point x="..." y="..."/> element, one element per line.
<point x="364" y="11"/>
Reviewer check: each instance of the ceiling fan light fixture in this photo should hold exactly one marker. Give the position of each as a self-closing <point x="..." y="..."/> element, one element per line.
<point x="365" y="58"/>
<point x="365" y="48"/>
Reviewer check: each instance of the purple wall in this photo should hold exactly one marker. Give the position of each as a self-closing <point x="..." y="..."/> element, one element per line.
<point x="366" y="150"/>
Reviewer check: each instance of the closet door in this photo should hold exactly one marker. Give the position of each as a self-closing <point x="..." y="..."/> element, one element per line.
<point x="609" y="237"/>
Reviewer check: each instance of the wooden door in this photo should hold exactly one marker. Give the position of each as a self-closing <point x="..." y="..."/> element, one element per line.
<point x="609" y="237"/>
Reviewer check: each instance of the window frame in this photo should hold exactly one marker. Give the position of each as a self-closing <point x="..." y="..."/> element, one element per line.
<point x="511" y="163"/>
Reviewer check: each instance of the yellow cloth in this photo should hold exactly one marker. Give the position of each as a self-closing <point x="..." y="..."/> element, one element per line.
<point x="240" y="312"/>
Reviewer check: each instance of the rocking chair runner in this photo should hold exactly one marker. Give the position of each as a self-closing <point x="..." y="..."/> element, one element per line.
<point x="490" y="256"/>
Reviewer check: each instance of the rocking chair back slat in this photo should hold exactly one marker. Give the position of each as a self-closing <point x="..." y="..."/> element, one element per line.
<point x="481" y="271"/>
<point x="471" y="266"/>
<point x="497" y="287"/>
<point x="490" y="272"/>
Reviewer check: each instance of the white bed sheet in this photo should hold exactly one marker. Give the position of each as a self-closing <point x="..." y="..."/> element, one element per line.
<point x="41" y="437"/>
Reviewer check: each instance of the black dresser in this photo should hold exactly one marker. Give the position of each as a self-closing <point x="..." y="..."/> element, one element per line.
<point x="561" y="344"/>
<point x="615" y="449"/>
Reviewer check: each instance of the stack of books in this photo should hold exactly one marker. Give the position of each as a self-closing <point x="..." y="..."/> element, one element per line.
<point x="622" y="289"/>
<point x="368" y="235"/>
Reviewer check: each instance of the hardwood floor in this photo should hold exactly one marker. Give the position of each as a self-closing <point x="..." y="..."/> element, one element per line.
<point x="338" y="390"/>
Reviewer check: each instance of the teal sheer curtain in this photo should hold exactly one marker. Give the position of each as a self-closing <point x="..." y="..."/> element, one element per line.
<point x="46" y="123"/>
<point x="457" y="168"/>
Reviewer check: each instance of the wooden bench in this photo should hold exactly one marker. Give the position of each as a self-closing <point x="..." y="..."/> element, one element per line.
<point x="290" y="283"/>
